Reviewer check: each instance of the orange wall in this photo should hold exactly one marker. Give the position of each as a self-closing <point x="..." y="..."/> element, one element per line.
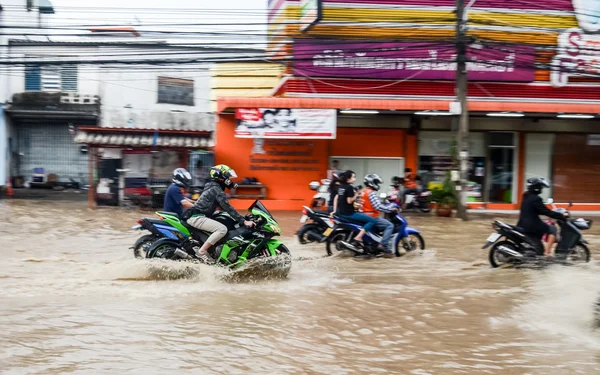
<point x="292" y="186"/>
<point x="281" y="185"/>
<point x="368" y="142"/>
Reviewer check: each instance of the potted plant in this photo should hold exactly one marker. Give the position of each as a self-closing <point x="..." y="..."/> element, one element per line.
<point x="445" y="197"/>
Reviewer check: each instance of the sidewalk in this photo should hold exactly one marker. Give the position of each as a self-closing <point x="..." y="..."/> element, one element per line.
<point x="516" y="212"/>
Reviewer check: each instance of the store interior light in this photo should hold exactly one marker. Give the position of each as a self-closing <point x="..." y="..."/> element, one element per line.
<point x="575" y="116"/>
<point x="433" y="113"/>
<point x="505" y="114"/>
<point x="359" y="111"/>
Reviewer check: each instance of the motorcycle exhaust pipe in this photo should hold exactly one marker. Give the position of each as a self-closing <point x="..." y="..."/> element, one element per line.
<point x="315" y="236"/>
<point x="509" y="252"/>
<point x="182" y="254"/>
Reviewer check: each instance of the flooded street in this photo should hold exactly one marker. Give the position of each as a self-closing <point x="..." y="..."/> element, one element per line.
<point x="75" y="301"/>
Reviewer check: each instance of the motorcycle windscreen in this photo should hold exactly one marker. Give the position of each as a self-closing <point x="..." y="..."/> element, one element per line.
<point x="259" y="206"/>
<point x="569" y="236"/>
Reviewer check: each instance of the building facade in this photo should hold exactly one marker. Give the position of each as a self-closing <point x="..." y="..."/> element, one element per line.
<point x="534" y="94"/>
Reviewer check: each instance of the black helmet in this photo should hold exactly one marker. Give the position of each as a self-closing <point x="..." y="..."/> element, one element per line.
<point x="536" y="184"/>
<point x="397" y="181"/>
<point x="223" y="174"/>
<point x="181" y="177"/>
<point x="372" y="180"/>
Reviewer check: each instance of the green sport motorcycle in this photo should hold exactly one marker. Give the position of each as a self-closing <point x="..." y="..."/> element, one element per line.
<point x="240" y="245"/>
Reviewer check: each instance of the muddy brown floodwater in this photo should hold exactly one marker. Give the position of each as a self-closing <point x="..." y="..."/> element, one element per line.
<point x="74" y="301"/>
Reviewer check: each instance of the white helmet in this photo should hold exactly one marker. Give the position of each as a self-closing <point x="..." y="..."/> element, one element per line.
<point x="181" y="177"/>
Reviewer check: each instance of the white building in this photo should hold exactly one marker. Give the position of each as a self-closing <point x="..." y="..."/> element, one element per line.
<point x="113" y="91"/>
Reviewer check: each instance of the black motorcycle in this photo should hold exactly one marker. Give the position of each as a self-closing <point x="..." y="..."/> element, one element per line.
<point x="517" y="248"/>
<point x="317" y="226"/>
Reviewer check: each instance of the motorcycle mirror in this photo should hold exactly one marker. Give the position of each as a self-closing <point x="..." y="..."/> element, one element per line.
<point x="550" y="201"/>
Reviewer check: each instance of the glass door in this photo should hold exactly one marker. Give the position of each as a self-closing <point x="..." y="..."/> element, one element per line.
<point x="501" y="162"/>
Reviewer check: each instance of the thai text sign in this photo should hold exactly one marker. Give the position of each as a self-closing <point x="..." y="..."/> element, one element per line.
<point x="294" y="123"/>
<point x="398" y="60"/>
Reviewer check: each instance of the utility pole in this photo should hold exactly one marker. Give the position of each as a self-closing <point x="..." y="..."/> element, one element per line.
<point x="462" y="136"/>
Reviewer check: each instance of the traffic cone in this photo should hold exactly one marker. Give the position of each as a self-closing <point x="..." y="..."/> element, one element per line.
<point x="9" y="189"/>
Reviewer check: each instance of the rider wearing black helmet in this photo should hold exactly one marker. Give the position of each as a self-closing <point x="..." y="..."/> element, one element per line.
<point x="531" y="209"/>
<point x="214" y="195"/>
<point x="175" y="201"/>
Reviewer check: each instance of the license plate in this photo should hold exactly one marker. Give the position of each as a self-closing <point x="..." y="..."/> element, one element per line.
<point x="303" y="219"/>
<point x="493" y="237"/>
<point x="136" y="227"/>
<point x="328" y="232"/>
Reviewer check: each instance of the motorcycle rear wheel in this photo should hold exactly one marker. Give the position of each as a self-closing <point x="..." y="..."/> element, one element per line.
<point x="494" y="261"/>
<point x="144" y="245"/>
<point x="425" y="207"/>
<point x="303" y="233"/>
<point x="164" y="249"/>
<point x="335" y="237"/>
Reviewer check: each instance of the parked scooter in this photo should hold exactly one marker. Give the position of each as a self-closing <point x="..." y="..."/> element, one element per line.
<point x="321" y="197"/>
<point x="317" y="226"/>
<point x="420" y="200"/>
<point x="517" y="248"/>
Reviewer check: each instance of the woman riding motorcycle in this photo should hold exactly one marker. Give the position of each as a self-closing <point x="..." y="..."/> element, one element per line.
<point x="212" y="196"/>
<point x="531" y="209"/>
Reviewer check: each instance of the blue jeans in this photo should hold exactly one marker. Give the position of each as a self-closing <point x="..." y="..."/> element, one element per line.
<point x="388" y="231"/>
<point x="367" y="221"/>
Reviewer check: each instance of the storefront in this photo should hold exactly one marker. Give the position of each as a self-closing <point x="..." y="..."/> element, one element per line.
<point x="395" y="97"/>
<point x="137" y="164"/>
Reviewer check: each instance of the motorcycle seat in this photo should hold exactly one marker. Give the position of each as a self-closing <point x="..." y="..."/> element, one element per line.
<point x="167" y="213"/>
<point x="321" y="213"/>
<point x="518" y="229"/>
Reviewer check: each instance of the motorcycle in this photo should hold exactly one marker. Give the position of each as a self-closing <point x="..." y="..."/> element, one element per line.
<point x="419" y="200"/>
<point x="240" y="245"/>
<point x="317" y="226"/>
<point x="517" y="248"/>
<point x="405" y="237"/>
<point x="321" y="197"/>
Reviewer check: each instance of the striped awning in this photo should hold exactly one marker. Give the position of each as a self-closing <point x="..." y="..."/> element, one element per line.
<point x="143" y="139"/>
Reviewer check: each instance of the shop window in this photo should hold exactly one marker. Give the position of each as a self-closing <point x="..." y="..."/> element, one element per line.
<point x="386" y="168"/>
<point x="435" y="161"/>
<point x="176" y="91"/>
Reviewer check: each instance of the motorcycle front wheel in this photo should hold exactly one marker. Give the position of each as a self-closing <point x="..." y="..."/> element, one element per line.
<point x="425" y="206"/>
<point x="414" y="241"/>
<point x="579" y="254"/>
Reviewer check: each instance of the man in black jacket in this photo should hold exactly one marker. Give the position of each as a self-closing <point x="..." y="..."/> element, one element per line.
<point x="532" y="207"/>
<point x="212" y="196"/>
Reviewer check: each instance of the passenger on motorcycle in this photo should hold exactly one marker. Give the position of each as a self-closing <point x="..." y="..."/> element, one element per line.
<point x="175" y="201"/>
<point x="213" y="196"/>
<point x="410" y="184"/>
<point x="371" y="205"/>
<point x="343" y="206"/>
<point x="531" y="209"/>
<point x="333" y="190"/>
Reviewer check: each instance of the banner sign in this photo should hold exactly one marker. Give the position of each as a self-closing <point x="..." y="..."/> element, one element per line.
<point x="400" y="60"/>
<point x="293" y="123"/>
<point x="578" y="54"/>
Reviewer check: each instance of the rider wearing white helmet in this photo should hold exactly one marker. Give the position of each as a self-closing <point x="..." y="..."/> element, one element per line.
<point x="175" y="201"/>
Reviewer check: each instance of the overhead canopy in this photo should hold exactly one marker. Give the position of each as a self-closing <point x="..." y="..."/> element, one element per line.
<point x="230" y="104"/>
<point x="124" y="137"/>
